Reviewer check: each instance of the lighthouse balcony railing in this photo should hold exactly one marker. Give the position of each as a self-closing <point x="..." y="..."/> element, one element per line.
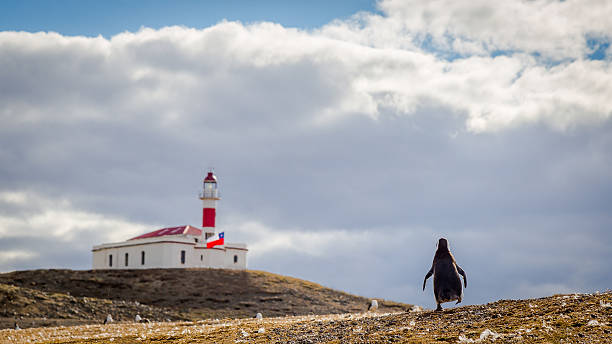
<point x="210" y="194"/>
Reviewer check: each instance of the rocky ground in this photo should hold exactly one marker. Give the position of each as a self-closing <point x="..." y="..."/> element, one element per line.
<point x="576" y="318"/>
<point x="66" y="297"/>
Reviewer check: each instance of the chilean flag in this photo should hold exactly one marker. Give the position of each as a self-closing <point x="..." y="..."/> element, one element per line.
<point x="215" y="240"/>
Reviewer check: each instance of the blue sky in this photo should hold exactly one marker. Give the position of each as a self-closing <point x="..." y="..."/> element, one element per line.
<point x="343" y="143"/>
<point x="107" y="18"/>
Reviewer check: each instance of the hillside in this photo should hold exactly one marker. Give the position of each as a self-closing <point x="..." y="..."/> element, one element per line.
<point x="578" y="318"/>
<point x="67" y="297"/>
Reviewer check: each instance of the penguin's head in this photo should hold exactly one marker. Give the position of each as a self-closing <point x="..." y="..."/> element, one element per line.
<point x="442" y="244"/>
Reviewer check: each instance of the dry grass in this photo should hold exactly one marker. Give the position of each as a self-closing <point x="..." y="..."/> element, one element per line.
<point x="65" y="297"/>
<point x="578" y="318"/>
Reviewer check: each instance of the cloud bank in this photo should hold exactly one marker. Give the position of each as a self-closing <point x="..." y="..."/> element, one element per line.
<point x="341" y="151"/>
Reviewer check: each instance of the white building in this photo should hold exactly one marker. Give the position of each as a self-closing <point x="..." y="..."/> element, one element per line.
<point x="176" y="247"/>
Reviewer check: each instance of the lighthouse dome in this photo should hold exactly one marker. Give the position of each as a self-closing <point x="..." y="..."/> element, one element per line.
<point x="210" y="177"/>
<point x="209" y="187"/>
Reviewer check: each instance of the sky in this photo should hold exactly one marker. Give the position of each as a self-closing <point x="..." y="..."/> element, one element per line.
<point x="346" y="139"/>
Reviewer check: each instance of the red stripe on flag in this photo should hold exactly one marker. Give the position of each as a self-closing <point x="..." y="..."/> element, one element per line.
<point x="215" y="243"/>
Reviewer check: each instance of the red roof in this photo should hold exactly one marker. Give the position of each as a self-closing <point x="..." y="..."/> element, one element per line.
<point x="184" y="230"/>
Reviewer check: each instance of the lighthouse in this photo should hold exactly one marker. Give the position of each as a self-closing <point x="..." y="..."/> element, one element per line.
<point x="180" y="246"/>
<point x="209" y="197"/>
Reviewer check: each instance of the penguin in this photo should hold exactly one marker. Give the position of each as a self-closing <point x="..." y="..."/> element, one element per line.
<point x="373" y="305"/>
<point x="17" y="326"/>
<point x="447" y="283"/>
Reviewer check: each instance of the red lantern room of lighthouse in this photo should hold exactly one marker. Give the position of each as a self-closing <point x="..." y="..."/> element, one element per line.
<point x="209" y="197"/>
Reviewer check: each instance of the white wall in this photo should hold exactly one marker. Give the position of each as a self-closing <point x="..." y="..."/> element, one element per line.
<point x="229" y="259"/>
<point x="167" y="255"/>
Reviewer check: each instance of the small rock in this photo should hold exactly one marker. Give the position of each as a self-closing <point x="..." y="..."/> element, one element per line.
<point x="137" y="318"/>
<point x="464" y="339"/>
<point x="258" y="316"/>
<point x="108" y="320"/>
<point x="373" y="305"/>
<point x="416" y="309"/>
<point x="488" y="333"/>
<point x="594" y="323"/>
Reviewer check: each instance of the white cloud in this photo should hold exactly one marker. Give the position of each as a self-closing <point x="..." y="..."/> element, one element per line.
<point x="11" y="255"/>
<point x="554" y="29"/>
<point x="34" y="216"/>
<point x="264" y="240"/>
<point x="177" y="77"/>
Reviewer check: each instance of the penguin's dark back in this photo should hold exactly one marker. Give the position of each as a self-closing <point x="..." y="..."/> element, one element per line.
<point x="443" y="253"/>
<point x="444" y="264"/>
<point x="446" y="275"/>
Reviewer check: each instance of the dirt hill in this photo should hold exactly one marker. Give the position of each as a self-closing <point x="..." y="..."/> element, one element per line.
<point x="67" y="297"/>
<point x="578" y="318"/>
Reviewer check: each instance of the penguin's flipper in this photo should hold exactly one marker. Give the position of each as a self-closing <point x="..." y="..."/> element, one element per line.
<point x="427" y="276"/>
<point x="462" y="273"/>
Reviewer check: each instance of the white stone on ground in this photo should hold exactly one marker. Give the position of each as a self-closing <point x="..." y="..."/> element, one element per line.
<point x="486" y="334"/>
<point x="373" y="305"/>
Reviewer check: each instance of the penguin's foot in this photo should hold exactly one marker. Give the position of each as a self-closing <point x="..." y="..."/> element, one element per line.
<point x="439" y="309"/>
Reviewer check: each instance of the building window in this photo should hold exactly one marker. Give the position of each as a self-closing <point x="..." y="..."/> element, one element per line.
<point x="142" y="258"/>
<point x="235" y="259"/>
<point x="126" y="259"/>
<point x="201" y="257"/>
<point x="110" y="260"/>
<point x="182" y="257"/>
